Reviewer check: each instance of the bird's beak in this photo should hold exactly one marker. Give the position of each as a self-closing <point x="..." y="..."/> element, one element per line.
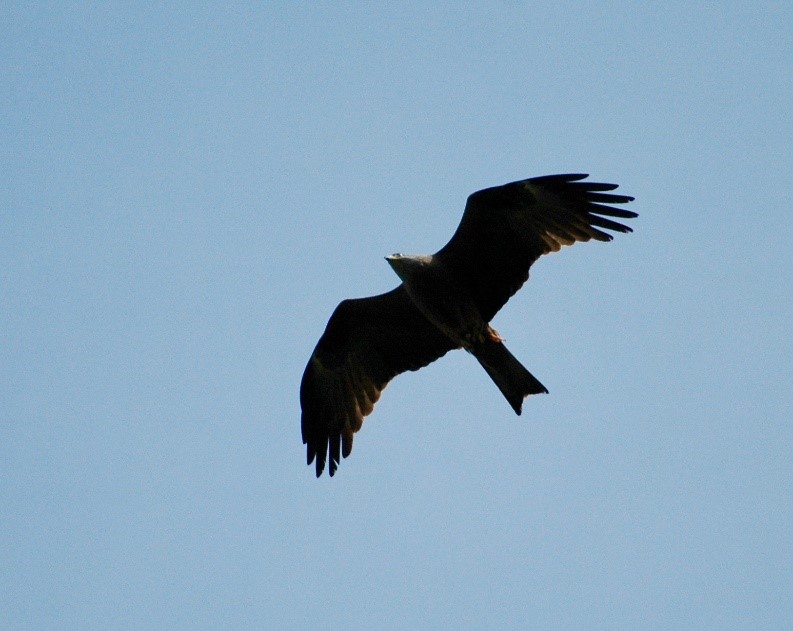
<point x="392" y="262"/>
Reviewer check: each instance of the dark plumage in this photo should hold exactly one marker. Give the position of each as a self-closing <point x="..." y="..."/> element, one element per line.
<point x="445" y="302"/>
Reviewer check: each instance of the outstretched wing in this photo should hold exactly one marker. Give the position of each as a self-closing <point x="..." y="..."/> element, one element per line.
<point x="506" y="228"/>
<point x="367" y="342"/>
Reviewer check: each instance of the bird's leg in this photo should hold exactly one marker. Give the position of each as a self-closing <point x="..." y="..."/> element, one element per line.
<point x="493" y="335"/>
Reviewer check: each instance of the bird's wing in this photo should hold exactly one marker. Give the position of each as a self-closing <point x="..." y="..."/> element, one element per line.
<point x="367" y="342"/>
<point x="506" y="228"/>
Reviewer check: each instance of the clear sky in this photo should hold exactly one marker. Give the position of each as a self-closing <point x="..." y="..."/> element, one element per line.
<point x="187" y="192"/>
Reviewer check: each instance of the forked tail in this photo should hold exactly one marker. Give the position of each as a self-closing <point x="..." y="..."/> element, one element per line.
<point x="514" y="381"/>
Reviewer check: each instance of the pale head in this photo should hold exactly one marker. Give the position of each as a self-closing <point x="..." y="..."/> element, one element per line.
<point x="408" y="265"/>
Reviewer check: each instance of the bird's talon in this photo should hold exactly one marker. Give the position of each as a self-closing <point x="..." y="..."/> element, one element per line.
<point x="494" y="335"/>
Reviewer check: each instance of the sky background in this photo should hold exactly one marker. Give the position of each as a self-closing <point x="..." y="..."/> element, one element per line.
<point x="186" y="193"/>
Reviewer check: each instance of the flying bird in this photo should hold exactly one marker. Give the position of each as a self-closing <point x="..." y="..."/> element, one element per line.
<point x="446" y="301"/>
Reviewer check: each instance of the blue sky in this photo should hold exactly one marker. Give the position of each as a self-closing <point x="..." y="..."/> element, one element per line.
<point x="187" y="192"/>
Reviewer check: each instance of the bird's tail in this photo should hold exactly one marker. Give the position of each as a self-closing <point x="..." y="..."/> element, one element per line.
<point x="514" y="381"/>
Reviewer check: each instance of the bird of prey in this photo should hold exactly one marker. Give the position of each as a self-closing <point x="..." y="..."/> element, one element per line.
<point x="445" y="302"/>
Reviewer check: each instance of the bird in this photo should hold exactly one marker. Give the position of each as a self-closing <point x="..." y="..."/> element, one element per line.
<point x="446" y="301"/>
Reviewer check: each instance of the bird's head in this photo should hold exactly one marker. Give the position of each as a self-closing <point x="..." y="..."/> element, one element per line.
<point x="406" y="265"/>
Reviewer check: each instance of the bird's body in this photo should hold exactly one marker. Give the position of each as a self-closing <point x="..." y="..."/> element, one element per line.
<point x="446" y="301"/>
<point x="440" y="297"/>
